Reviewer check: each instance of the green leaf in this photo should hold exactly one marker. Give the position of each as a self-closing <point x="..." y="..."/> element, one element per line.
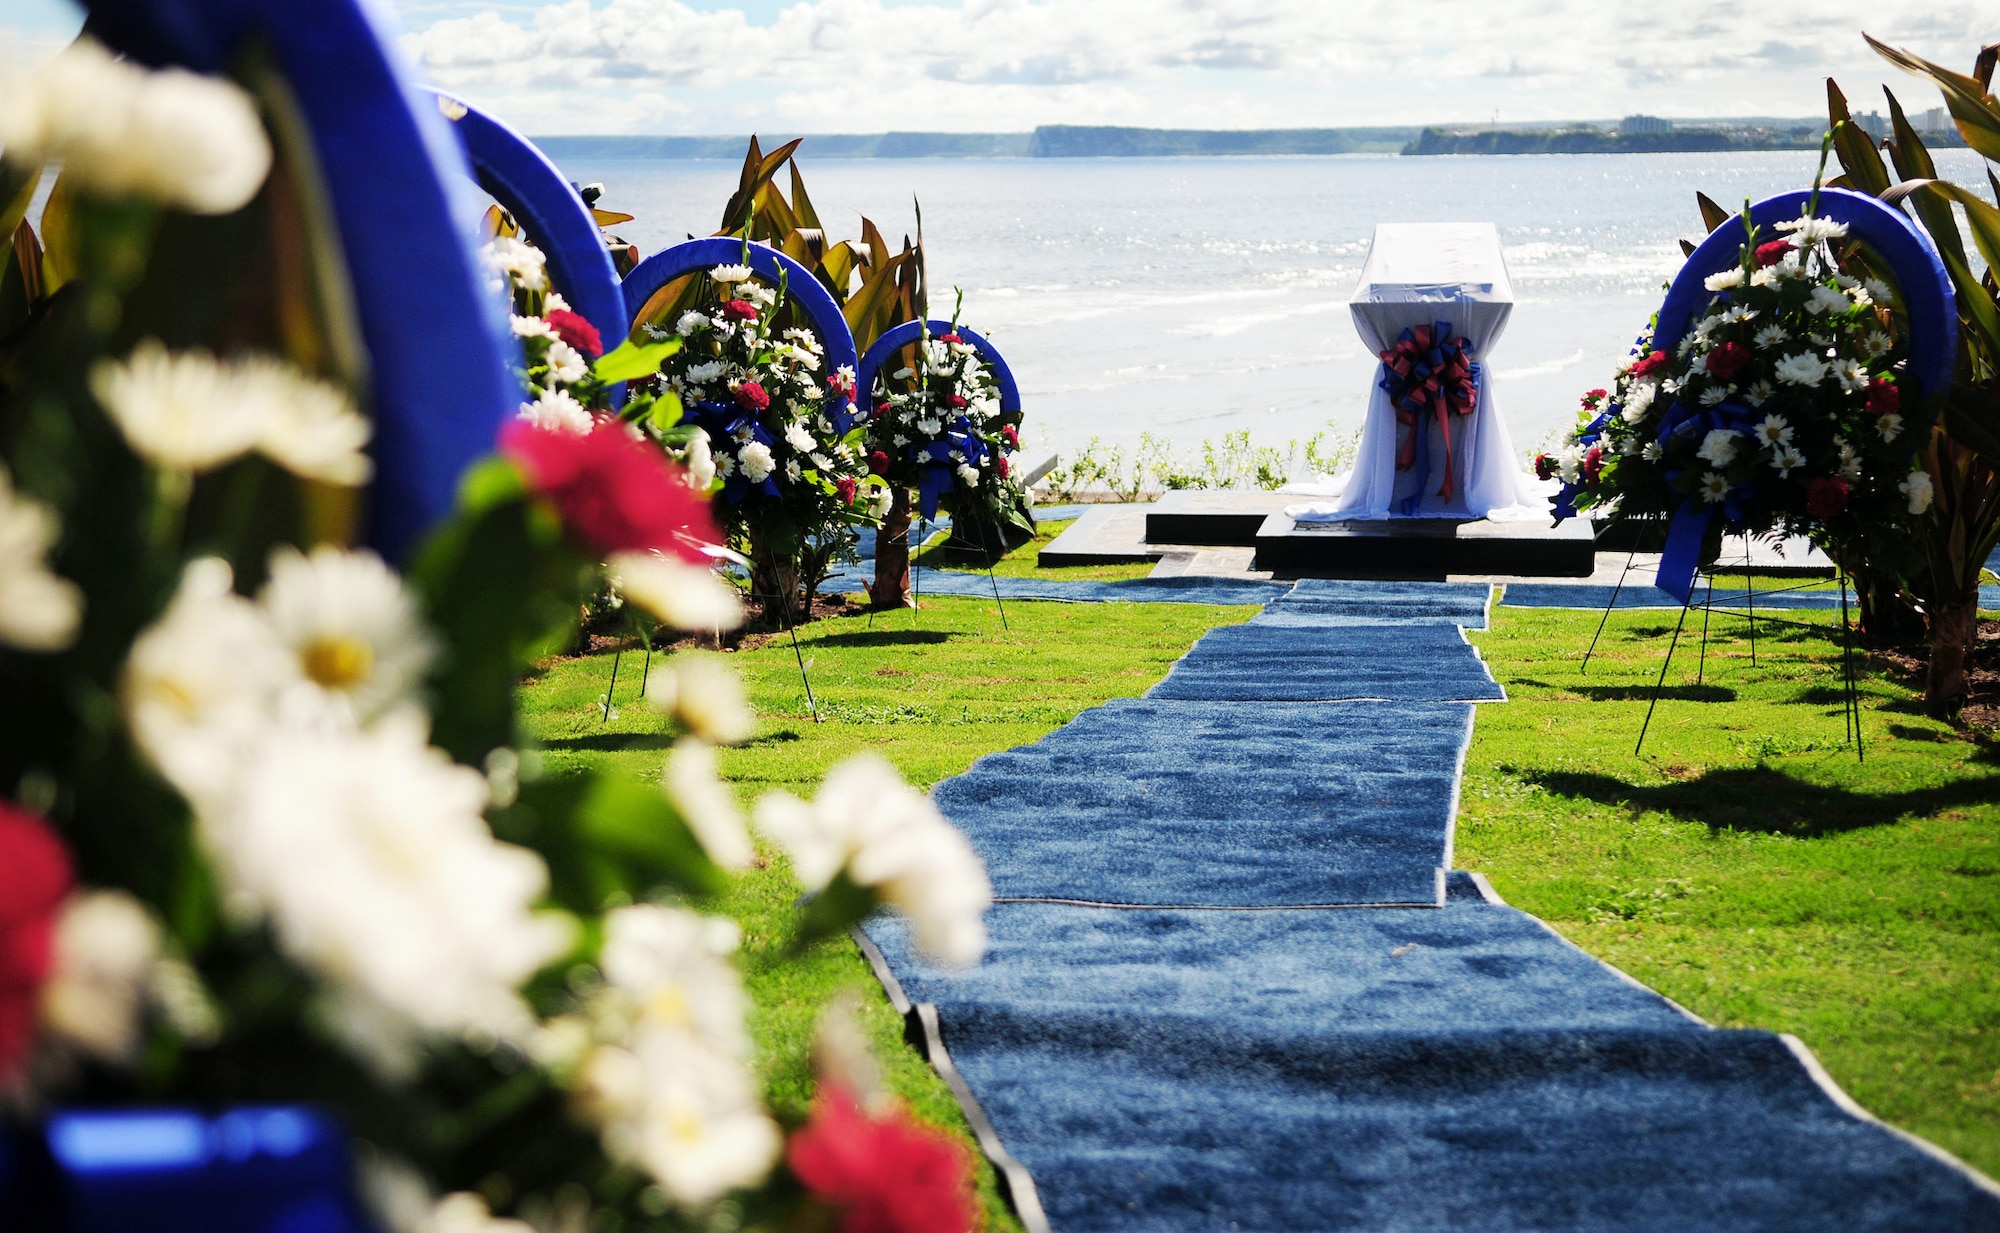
<point x="1855" y="148"/>
<point x="629" y="360"/>
<point x="1974" y="110"/>
<point x="17" y="193"/>
<point x="608" y="838"/>
<point x="1913" y="162"/>
<point x="665" y="414"/>
<point x="1983" y="217"/>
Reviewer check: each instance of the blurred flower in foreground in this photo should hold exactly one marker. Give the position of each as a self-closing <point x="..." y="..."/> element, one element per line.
<point x="106" y="948"/>
<point x="38" y="609"/>
<point x="888" y="838"/>
<point x="463" y="1212"/>
<point x="682" y="595"/>
<point x="884" y="1174"/>
<point x="188" y="412"/>
<point x="34" y="879"/>
<point x="615" y="495"/>
<point x="703" y="693"/>
<point x="706" y="803"/>
<point x="360" y="642"/>
<point x="121" y="130"/>
<point x="671" y="1085"/>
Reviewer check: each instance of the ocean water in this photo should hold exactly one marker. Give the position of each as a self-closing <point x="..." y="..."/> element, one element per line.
<point x="1189" y="297"/>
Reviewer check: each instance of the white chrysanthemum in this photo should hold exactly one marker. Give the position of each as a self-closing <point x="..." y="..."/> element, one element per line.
<point x="705" y="373"/>
<point x="1775" y="430"/>
<point x="682" y="595"/>
<point x="531" y="327"/>
<point x="1718" y="448"/>
<point x="706" y="803"/>
<point x="201" y="684"/>
<point x="820" y="461"/>
<point x="1569" y="462"/>
<point x="879" y="502"/>
<point x="1802" y="369"/>
<point x="1827" y="299"/>
<point x="1714" y="395"/>
<point x="756" y="461"/>
<point x="690" y="321"/>
<point x="39" y="609"/>
<point x="1850" y="460"/>
<point x="102" y="958"/>
<point x="968" y="475"/>
<point x="465" y="1212"/>
<point x="369" y="854"/>
<point x="888" y="837"/>
<point x="699" y="461"/>
<point x="1878" y="291"/>
<point x="1731" y="277"/>
<point x="558" y="411"/>
<point x="1875" y="343"/>
<point x="704" y="694"/>
<point x="1785" y="459"/>
<point x="1713" y="487"/>
<point x="1652" y="452"/>
<point x="930" y="426"/>
<point x="730" y="273"/>
<point x="799" y="439"/>
<point x="193" y="143"/>
<point x="1917" y="488"/>
<point x="313" y="430"/>
<point x="1769" y="338"/>
<point x="520" y="261"/>
<point x="675" y="965"/>
<point x="1889" y="426"/>
<point x="566" y="363"/>
<point x="1638" y="401"/>
<point x="360" y="640"/>
<point x="1807" y="230"/>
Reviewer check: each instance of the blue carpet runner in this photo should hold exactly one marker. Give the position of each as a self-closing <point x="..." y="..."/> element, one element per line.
<point x="1232" y="987"/>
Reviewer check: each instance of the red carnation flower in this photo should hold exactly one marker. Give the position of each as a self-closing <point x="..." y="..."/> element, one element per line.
<point x="1013" y="436"/>
<point x="878" y="463"/>
<point x="1545" y="467"/>
<point x="846" y="487"/>
<point x="884" y="1175"/>
<point x="1883" y="397"/>
<point x="950" y="338"/>
<point x="1593" y="398"/>
<point x="1001" y="465"/>
<point x="1774" y="252"/>
<point x="1826" y="496"/>
<point x="751" y="396"/>
<point x="954" y="402"/>
<point x="740" y="310"/>
<point x="1728" y="359"/>
<point x="615" y="494"/>
<point x="574" y="330"/>
<point x="1650" y="364"/>
<point x="841" y="382"/>
<point x="882" y="406"/>
<point x="1593" y="462"/>
<point x="34" y="880"/>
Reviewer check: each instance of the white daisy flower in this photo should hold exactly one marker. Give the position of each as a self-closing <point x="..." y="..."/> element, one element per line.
<point x="1917" y="488"/>
<point x="1889" y="426"/>
<point x="705" y="696"/>
<point x="1878" y="290"/>
<point x="725" y="465"/>
<point x="1807" y="230"/>
<point x="39" y="609"/>
<point x="1875" y="343"/>
<point x="520" y="261"/>
<point x="1850" y="461"/>
<point x="1774" y="431"/>
<point x="566" y="363"/>
<point x="1827" y="299"/>
<point x="1852" y="376"/>
<point x="1713" y="487"/>
<point x="1652" y="452"/>
<point x="793" y="471"/>
<point x="557" y="411"/>
<point x="820" y="461"/>
<point x="730" y="273"/>
<point x="1759" y="393"/>
<point x="1714" y="395"/>
<point x="360" y="640"/>
<point x="531" y="327"/>
<point x="706" y="803"/>
<point x="1768" y="338"/>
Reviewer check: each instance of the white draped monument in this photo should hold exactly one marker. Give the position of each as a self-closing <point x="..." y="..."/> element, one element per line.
<point x="1433" y="299"/>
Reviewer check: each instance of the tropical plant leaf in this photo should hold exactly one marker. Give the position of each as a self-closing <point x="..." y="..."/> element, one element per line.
<point x="17" y="193"/>
<point x="1851" y="144"/>
<point x="1712" y="215"/>
<point x="801" y="204"/>
<point x="59" y="238"/>
<point x="1983" y="217"/>
<point x="1913" y="162"/>
<point x="610" y="218"/>
<point x="629" y="360"/>
<point x="1972" y="107"/>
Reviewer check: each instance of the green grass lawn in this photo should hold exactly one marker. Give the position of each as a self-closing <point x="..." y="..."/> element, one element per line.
<point x="1748" y="866"/>
<point x="931" y="691"/>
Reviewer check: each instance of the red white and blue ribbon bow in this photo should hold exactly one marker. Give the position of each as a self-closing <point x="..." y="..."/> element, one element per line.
<point x="1429" y="372"/>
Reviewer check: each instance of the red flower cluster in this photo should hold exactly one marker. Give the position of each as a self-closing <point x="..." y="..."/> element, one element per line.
<point x="846" y="487"/>
<point x="1001" y="465"/>
<point x="751" y="396"/>
<point x="574" y="330"/>
<point x="1773" y="252"/>
<point x="840" y="383"/>
<point x="878" y="463"/>
<point x="740" y="310"/>
<point x="1593" y="462"/>
<point x="1826" y="496"/>
<point x="1013" y="436"/>
<point x="882" y="406"/>
<point x="1883" y="397"/>
<point x="615" y="494"/>
<point x="950" y="338"/>
<point x="1728" y="359"/>
<point x="34" y="880"/>
<point x="1650" y="364"/>
<point x="1545" y="467"/>
<point x="886" y="1175"/>
<point x="955" y="402"/>
<point x="1592" y="399"/>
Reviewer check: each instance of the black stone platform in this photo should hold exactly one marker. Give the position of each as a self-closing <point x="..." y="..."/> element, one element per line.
<point x="1425" y="548"/>
<point x="1224" y="518"/>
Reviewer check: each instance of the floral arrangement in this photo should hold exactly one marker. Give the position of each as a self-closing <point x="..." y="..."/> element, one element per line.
<point x="1780" y="411"/>
<point x="782" y="434"/>
<point x="270" y="828"/>
<point x="937" y="427"/>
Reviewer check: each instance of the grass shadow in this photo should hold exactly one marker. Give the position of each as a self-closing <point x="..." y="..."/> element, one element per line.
<point x="1767" y="801"/>
<point x="1640" y="693"/>
<point x="611" y="742"/>
<point x="885" y="637"/>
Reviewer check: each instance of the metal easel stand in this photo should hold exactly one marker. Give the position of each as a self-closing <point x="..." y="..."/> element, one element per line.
<point x="645" y="674"/>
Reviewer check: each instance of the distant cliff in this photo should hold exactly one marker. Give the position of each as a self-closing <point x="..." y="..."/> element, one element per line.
<point x="829" y="145"/>
<point x="1080" y="141"/>
<point x="1597" y="141"/>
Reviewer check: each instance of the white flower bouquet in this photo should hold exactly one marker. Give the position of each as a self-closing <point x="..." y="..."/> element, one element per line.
<point x="937" y="427"/>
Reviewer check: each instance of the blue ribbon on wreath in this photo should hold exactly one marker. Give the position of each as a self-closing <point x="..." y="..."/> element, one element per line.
<point x="722" y="421"/>
<point x="1681" y="556"/>
<point x="940" y="470"/>
<point x="1429" y="372"/>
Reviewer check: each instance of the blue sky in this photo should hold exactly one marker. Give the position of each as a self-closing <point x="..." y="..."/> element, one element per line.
<point x="701" y="66"/>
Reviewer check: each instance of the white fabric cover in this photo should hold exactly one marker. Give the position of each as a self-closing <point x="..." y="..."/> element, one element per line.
<point x="1417" y="273"/>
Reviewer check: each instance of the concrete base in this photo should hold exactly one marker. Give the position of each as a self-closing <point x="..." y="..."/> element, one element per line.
<point x="1210" y="519"/>
<point x="1420" y="548"/>
<point x="1103" y="535"/>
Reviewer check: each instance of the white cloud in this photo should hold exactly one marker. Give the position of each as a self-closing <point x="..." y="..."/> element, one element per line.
<point x="1006" y="65"/>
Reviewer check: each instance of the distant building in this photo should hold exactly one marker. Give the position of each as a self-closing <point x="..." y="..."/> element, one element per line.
<point x="1645" y="124"/>
<point x="1932" y="121"/>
